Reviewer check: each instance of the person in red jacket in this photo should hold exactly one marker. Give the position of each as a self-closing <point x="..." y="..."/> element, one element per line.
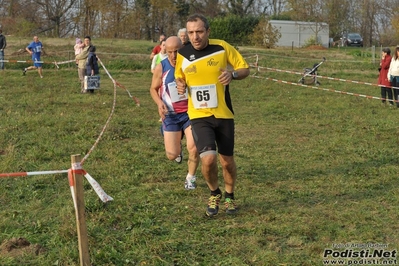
<point x="383" y="80"/>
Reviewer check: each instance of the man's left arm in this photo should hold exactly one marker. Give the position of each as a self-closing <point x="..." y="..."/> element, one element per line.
<point x="227" y="76"/>
<point x="237" y="61"/>
<point x="240" y="73"/>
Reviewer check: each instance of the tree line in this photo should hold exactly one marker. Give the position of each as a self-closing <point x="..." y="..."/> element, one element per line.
<point x="375" y="20"/>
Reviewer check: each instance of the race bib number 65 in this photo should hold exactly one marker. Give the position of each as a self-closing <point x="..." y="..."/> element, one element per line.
<point x="204" y="96"/>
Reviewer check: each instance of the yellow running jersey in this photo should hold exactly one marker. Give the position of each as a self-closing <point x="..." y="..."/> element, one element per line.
<point x="201" y="69"/>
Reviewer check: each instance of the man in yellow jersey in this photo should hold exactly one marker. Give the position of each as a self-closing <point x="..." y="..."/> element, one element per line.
<point x="201" y="68"/>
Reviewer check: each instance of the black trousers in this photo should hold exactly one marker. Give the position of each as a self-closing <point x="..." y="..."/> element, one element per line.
<point x="386" y="93"/>
<point x="395" y="83"/>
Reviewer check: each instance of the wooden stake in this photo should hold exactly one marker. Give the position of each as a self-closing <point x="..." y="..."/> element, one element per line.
<point x="80" y="212"/>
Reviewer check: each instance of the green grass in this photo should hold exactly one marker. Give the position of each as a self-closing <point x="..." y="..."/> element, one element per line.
<point x="315" y="168"/>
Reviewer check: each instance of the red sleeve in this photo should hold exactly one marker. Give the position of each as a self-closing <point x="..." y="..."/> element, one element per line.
<point x="156" y="49"/>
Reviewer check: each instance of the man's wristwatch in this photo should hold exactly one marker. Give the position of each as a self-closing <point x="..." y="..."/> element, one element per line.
<point x="234" y="74"/>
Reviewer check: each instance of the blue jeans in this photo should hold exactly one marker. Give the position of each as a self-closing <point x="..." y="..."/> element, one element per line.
<point x="1" y="58"/>
<point x="395" y="83"/>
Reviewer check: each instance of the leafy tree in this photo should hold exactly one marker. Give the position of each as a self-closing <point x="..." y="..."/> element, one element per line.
<point x="142" y="15"/>
<point x="19" y="26"/>
<point x="265" y="35"/>
<point x="183" y="10"/>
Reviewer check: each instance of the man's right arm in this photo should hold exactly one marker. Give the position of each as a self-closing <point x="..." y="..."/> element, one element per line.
<point x="153" y="64"/>
<point x="179" y="75"/>
<point x="153" y="52"/>
<point x="155" y="85"/>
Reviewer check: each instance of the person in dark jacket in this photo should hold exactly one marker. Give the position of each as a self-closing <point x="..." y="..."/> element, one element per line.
<point x="383" y="80"/>
<point x="92" y="68"/>
<point x="3" y="45"/>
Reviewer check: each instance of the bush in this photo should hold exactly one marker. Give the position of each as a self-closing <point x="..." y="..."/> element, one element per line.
<point x="233" y="29"/>
<point x="360" y="53"/>
<point x="312" y="41"/>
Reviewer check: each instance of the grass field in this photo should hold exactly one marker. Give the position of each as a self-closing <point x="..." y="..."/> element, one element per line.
<point x="316" y="169"/>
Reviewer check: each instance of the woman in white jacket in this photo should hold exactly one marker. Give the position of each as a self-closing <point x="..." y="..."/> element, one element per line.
<point x="393" y="75"/>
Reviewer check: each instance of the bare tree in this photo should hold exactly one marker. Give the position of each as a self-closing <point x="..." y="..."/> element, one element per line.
<point x="271" y="7"/>
<point x="212" y="8"/>
<point x="239" y="7"/>
<point x="145" y="19"/>
<point x="55" y="12"/>
<point x="310" y="11"/>
<point x="337" y="19"/>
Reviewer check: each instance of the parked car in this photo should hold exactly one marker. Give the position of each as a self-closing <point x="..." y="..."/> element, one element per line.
<point x="353" y="39"/>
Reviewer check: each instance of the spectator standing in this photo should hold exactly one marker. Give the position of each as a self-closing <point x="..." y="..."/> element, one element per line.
<point x="82" y="57"/>
<point x="202" y="68"/>
<point x="35" y="49"/>
<point x="159" y="57"/>
<point x="383" y="81"/>
<point x="92" y="68"/>
<point x="393" y="75"/>
<point x="157" y="48"/>
<point x="172" y="108"/>
<point x="3" y="44"/>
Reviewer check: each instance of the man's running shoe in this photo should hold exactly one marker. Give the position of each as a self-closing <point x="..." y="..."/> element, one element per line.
<point x="190" y="183"/>
<point x="230" y="205"/>
<point x="24" y="71"/>
<point x="213" y="205"/>
<point x="179" y="158"/>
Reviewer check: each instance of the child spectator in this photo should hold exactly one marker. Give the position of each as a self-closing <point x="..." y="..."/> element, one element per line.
<point x="78" y="47"/>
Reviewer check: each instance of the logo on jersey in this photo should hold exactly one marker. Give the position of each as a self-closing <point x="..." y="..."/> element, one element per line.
<point x="191" y="70"/>
<point x="192" y="57"/>
<point x="212" y="62"/>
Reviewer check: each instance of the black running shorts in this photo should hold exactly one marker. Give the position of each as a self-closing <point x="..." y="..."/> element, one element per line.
<point x="210" y="133"/>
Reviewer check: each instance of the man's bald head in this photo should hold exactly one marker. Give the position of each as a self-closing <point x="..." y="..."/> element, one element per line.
<point x="172" y="44"/>
<point x="173" y="41"/>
